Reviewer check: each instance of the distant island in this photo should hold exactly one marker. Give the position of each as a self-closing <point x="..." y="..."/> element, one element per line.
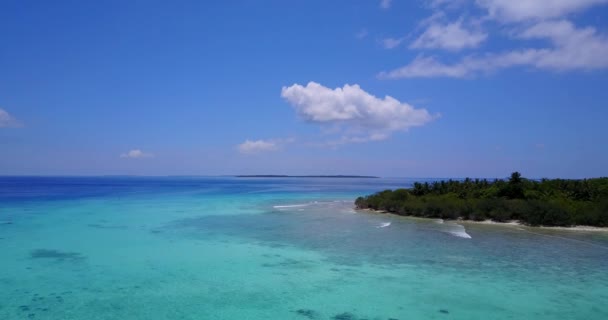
<point x="556" y="202"/>
<point x="286" y="176"/>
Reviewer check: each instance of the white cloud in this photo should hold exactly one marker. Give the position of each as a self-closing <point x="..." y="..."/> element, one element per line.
<point x="355" y="139"/>
<point x="8" y="121"/>
<point x="566" y="47"/>
<point x="136" y="154"/>
<point x="449" y="4"/>
<point x="385" y="4"/>
<point x="358" y="115"/>
<point x="391" y="43"/>
<point x="426" y="67"/>
<point x="521" y="10"/>
<point x="452" y="36"/>
<point x="572" y="49"/>
<point x="257" y="146"/>
<point x="429" y="67"/>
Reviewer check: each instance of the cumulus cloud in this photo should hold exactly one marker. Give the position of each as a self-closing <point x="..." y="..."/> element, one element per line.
<point x="572" y="49"/>
<point x="8" y="121"/>
<point x="451" y="36"/>
<point x="385" y="4"/>
<point x="520" y="10"/>
<point x="357" y="115"/>
<point x="136" y="154"/>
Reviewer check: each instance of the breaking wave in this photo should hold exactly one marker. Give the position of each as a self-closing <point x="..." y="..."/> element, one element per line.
<point x="452" y="228"/>
<point x="292" y="206"/>
<point x="458" y="231"/>
<point x="384" y="225"/>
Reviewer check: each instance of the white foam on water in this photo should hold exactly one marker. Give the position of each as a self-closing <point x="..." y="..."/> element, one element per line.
<point x="292" y="206"/>
<point x="384" y="225"/>
<point x="344" y="206"/>
<point x="461" y="235"/>
<point x="452" y="228"/>
<point x="458" y="231"/>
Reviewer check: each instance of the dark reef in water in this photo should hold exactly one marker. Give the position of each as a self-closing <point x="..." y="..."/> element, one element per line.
<point x="41" y="303"/>
<point x="308" y="313"/>
<point x="344" y="316"/>
<point x="104" y="226"/>
<point x="290" y="263"/>
<point x="312" y="314"/>
<point x="56" y="255"/>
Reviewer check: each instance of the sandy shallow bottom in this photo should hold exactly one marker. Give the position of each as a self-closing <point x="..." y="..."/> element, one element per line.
<point x="271" y="251"/>
<point x="513" y="223"/>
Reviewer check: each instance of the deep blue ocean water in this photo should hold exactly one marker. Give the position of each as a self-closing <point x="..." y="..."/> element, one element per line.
<point x="275" y="248"/>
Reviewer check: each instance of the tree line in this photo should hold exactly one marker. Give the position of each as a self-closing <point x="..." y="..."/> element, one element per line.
<point x="548" y="202"/>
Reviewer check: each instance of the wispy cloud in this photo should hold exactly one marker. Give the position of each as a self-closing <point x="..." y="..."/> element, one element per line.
<point x="385" y="4"/>
<point x="136" y="154"/>
<point x="520" y="10"/>
<point x="256" y="146"/>
<point x="361" y="34"/>
<point x="391" y="43"/>
<point x="357" y="115"/>
<point x="449" y="36"/>
<point x="427" y="67"/>
<point x="8" y="121"/>
<point x="354" y="139"/>
<point x="559" y="44"/>
<point x="446" y="4"/>
<point x="572" y="49"/>
<point x="259" y="146"/>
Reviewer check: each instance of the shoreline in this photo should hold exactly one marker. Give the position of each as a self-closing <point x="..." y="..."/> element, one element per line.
<point x="512" y="223"/>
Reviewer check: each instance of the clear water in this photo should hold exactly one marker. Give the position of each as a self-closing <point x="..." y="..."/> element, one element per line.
<point x="229" y="248"/>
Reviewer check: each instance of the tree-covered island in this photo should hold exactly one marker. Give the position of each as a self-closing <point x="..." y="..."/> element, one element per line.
<point x="555" y="202"/>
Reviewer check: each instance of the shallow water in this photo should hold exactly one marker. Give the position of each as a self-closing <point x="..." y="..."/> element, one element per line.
<point x="229" y="248"/>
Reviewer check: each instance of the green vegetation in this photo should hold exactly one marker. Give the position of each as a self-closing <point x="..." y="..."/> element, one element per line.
<point x="546" y="202"/>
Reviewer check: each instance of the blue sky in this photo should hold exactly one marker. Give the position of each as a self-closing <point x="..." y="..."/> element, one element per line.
<point x="398" y="88"/>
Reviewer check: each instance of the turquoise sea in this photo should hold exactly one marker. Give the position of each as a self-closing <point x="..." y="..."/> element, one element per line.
<point x="275" y="248"/>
